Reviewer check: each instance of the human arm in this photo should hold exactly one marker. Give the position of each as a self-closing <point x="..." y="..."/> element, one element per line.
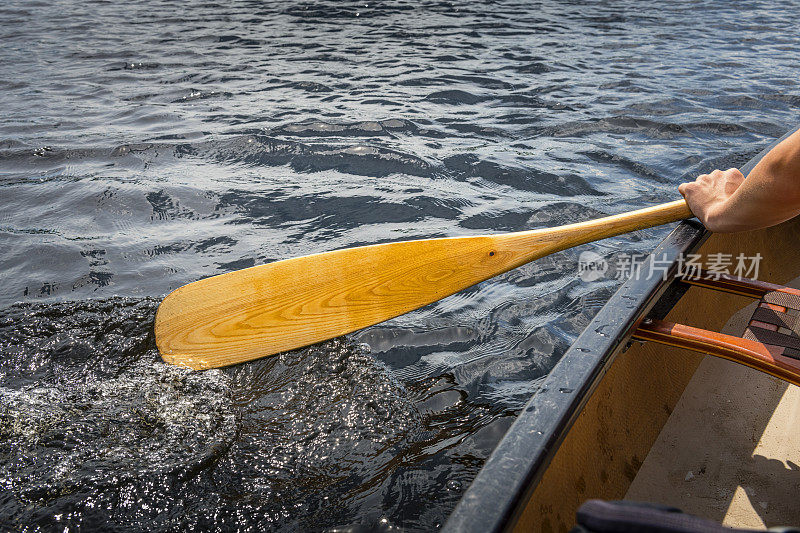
<point x="726" y="201"/>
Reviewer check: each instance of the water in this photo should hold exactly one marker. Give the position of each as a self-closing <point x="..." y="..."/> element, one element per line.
<point x="144" y="145"/>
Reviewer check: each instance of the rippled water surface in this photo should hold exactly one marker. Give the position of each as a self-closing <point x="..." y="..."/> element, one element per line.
<point x="146" y="144"/>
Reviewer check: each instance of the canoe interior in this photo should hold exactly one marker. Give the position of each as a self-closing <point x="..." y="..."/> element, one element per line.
<point x="602" y="452"/>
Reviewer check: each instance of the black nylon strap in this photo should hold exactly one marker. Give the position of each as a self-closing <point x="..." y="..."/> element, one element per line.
<point x="776" y="318"/>
<point x="791" y="352"/>
<point x="789" y="320"/>
<point x="790" y="301"/>
<point x="774" y="338"/>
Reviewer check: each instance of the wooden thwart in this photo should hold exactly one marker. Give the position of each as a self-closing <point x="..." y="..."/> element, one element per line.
<point x="768" y="344"/>
<point x="264" y="310"/>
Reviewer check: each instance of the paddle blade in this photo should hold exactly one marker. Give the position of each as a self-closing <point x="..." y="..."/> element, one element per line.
<point x="263" y="310"/>
<point x="259" y="311"/>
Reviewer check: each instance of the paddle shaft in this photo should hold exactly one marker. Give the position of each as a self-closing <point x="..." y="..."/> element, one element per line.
<point x="263" y="310"/>
<point x="571" y="235"/>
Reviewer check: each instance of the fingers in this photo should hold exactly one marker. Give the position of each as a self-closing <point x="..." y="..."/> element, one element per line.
<point x="733" y="174"/>
<point x="731" y="181"/>
<point x="716" y="185"/>
<point x="719" y="176"/>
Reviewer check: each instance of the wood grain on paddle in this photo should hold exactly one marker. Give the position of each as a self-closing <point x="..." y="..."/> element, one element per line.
<point x="267" y="309"/>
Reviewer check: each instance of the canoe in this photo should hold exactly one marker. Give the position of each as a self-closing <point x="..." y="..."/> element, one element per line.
<point x="600" y="414"/>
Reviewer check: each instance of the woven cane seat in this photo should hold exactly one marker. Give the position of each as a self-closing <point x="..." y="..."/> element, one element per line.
<point x="776" y="321"/>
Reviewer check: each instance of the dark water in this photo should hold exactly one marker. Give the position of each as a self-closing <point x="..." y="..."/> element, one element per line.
<point x="144" y="145"/>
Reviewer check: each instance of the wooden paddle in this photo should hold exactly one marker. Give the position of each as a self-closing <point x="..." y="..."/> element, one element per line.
<point x="267" y="309"/>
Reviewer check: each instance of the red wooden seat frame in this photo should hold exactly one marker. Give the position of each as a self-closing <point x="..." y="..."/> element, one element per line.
<point x="774" y="359"/>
